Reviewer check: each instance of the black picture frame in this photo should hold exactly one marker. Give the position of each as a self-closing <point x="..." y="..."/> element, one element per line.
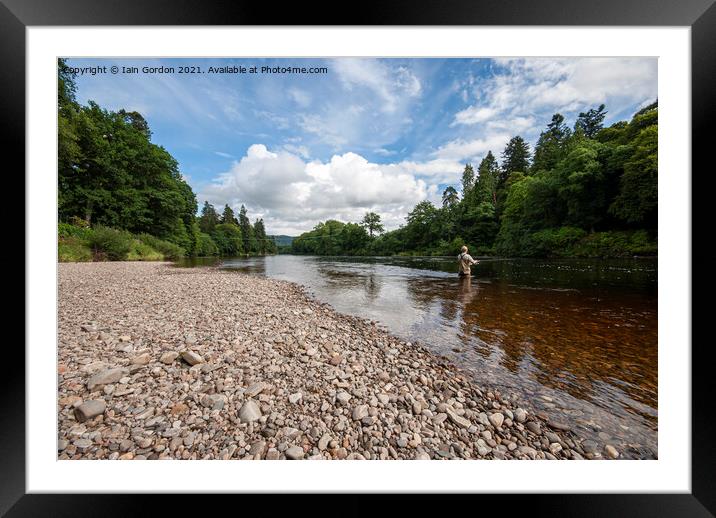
<point x="700" y="15"/>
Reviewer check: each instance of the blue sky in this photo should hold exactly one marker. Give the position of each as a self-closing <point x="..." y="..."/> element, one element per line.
<point x="370" y="134"/>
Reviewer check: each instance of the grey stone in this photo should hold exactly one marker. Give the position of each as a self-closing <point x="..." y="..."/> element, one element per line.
<point x="590" y="446"/>
<point x="191" y="358"/>
<point x="343" y="397"/>
<point x="213" y="401"/>
<point x="323" y="442"/>
<point x="255" y="389"/>
<point x="83" y="445"/>
<point x="89" y="409"/>
<point x="457" y="419"/>
<point x="169" y="357"/>
<point x="142" y="359"/>
<point x="258" y="448"/>
<point x="106" y="377"/>
<point x="611" y="451"/>
<point x="294" y="453"/>
<point x="534" y="427"/>
<point x="496" y="419"/>
<point x="360" y="412"/>
<point x="273" y="454"/>
<point x="249" y="412"/>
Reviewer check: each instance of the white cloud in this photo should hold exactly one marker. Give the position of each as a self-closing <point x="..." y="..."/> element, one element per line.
<point x="522" y="87"/>
<point x="300" y="97"/>
<point x="474" y="115"/>
<point x="302" y="151"/>
<point x="292" y="195"/>
<point x="460" y="149"/>
<point x="392" y="85"/>
<point x="521" y="95"/>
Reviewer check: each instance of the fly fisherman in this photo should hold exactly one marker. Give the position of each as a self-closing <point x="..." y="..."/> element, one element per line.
<point x="465" y="260"/>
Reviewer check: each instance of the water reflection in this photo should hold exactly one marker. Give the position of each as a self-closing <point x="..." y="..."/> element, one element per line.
<point x="578" y="339"/>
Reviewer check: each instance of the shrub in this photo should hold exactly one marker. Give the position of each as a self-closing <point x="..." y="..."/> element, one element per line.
<point x="205" y="246"/>
<point x="167" y="249"/>
<point x="143" y="252"/>
<point x="616" y="244"/>
<point x="79" y="222"/>
<point x="65" y="230"/>
<point x="108" y="243"/>
<point x="555" y="241"/>
<point x="72" y="249"/>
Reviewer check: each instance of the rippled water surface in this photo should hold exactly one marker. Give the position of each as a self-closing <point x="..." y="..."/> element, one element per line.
<point x="576" y="339"/>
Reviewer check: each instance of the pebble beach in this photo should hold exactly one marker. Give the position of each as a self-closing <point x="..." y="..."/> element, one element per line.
<point x="158" y="362"/>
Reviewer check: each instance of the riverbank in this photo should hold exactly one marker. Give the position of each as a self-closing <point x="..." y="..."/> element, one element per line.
<point x="163" y="362"/>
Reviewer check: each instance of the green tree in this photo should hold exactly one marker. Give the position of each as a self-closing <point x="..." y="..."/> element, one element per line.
<point x="422" y="228"/>
<point x="636" y="202"/>
<point x="228" y="216"/>
<point x="515" y="158"/>
<point x="228" y="239"/>
<point x="450" y="196"/>
<point x="591" y="121"/>
<point x="468" y="179"/>
<point x="246" y="231"/>
<point x="208" y="219"/>
<point x="550" y="145"/>
<point x="265" y="244"/>
<point x="488" y="176"/>
<point x="371" y="222"/>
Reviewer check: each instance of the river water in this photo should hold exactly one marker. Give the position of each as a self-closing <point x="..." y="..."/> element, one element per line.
<point x="576" y="340"/>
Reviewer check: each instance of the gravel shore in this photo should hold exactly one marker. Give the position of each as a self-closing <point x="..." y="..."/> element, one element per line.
<point x="157" y="362"/>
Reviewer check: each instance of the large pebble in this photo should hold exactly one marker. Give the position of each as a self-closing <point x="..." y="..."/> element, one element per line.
<point x="294" y="453"/>
<point x="105" y="377"/>
<point x="89" y="409"/>
<point x="192" y="358"/>
<point x="496" y="419"/>
<point x="250" y="411"/>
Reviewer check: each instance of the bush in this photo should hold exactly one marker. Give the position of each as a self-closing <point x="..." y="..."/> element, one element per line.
<point x="555" y="241"/>
<point x="79" y="222"/>
<point x="143" y="252"/>
<point x="108" y="243"/>
<point x="167" y="249"/>
<point x="72" y="249"/>
<point x="616" y="244"/>
<point x="205" y="246"/>
<point x="65" y="230"/>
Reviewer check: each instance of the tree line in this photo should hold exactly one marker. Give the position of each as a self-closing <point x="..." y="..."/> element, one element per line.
<point x="585" y="190"/>
<point x="111" y="175"/>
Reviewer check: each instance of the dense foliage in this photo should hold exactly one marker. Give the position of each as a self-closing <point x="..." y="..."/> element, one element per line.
<point x="80" y="242"/>
<point x="129" y="192"/>
<point x="586" y="191"/>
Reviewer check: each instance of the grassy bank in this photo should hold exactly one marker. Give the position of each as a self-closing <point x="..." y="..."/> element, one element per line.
<point x="85" y="244"/>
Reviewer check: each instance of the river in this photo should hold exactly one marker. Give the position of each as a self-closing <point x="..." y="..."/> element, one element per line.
<point x="576" y="340"/>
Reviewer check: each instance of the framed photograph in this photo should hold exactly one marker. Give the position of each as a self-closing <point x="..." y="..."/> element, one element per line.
<point x="444" y="249"/>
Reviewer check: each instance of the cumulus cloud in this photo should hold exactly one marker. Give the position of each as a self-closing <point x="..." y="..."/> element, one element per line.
<point x="292" y="194"/>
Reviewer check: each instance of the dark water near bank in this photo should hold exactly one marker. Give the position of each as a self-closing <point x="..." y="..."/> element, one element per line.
<point x="575" y="339"/>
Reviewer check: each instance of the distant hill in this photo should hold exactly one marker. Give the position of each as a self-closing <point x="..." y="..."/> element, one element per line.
<point x="283" y="240"/>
